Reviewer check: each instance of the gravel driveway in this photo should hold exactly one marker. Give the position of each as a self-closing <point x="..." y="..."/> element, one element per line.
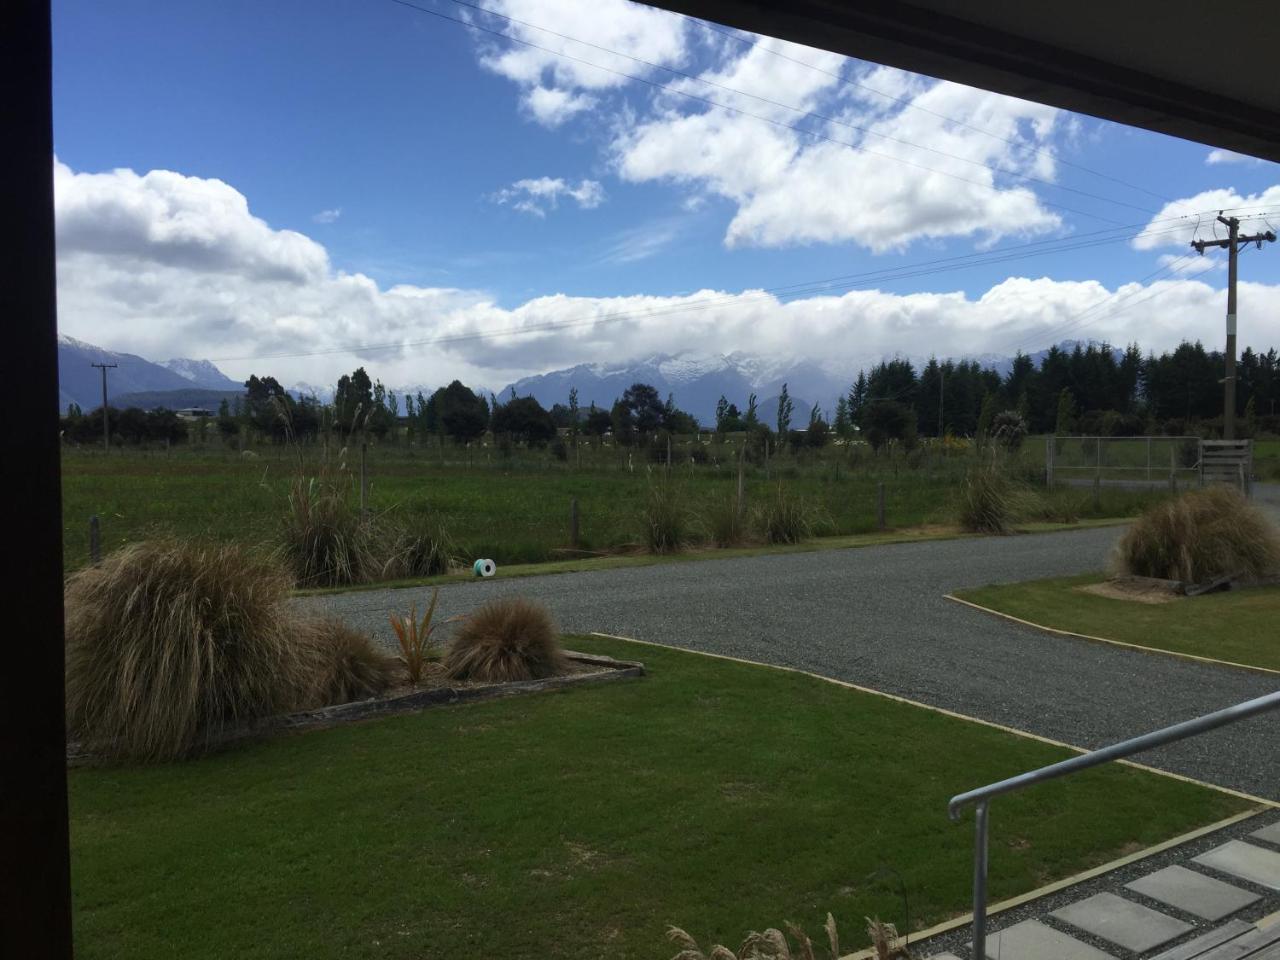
<point x="876" y="616"/>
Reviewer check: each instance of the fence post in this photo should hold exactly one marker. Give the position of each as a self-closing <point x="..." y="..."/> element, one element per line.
<point x="1050" y="444"/>
<point x="95" y="541"/>
<point x="364" y="482"/>
<point x="880" y="505"/>
<point x="1148" y="461"/>
<point x="1173" y="476"/>
<point x="573" y="522"/>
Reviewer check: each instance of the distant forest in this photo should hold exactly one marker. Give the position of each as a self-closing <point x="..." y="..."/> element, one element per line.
<point x="1093" y="390"/>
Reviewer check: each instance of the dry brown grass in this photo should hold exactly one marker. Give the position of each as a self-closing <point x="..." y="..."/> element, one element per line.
<point x="170" y="644"/>
<point x="773" y="944"/>
<point x="1200" y="536"/>
<point x="508" y="638"/>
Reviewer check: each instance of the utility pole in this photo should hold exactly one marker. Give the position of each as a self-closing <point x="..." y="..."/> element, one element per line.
<point x="106" y="424"/>
<point x="1232" y="243"/>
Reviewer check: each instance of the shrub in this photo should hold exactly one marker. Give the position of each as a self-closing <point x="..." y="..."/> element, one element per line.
<point x="727" y="521"/>
<point x="1009" y="429"/>
<point x="1199" y="536"/>
<point x="414" y="636"/>
<point x="986" y="503"/>
<point x="170" y="643"/>
<point x="509" y="638"/>
<point x="773" y="944"/>
<point x="421" y="548"/>
<point x="324" y="540"/>
<point x="349" y="666"/>
<point x="784" y="517"/>
<point x="667" y="524"/>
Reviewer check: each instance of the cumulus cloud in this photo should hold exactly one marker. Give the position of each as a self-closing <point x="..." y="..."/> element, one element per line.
<point x="537" y="196"/>
<point x="1228" y="156"/>
<point x="1181" y="221"/>
<point x="552" y="87"/>
<point x="166" y="219"/>
<point x="327" y="216"/>
<point x="166" y="265"/>
<point x="897" y="158"/>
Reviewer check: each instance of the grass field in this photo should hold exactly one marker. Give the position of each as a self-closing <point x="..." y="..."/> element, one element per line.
<point x="1238" y="626"/>
<point x="713" y="795"/>
<point x="515" y="511"/>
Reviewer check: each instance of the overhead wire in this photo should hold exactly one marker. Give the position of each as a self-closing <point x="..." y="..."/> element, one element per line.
<point x="786" y="106"/>
<point x="784" y="293"/>
<point x="912" y="105"/>
<point x="746" y="113"/>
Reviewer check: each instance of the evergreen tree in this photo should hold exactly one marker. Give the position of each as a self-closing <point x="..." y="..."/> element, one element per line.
<point x="1065" y="421"/>
<point x="785" y="409"/>
<point x="841" y="425"/>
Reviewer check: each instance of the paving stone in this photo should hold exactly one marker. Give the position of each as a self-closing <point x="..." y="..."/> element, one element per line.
<point x="1244" y="860"/>
<point x="1032" y="940"/>
<point x="1193" y="892"/>
<point x="1270" y="834"/>
<point x="1122" y="922"/>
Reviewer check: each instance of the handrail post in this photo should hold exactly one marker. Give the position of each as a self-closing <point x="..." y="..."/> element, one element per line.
<point x="980" y="881"/>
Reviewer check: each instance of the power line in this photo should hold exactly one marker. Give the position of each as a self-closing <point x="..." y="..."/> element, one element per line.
<point x="782" y="293"/>
<point x="738" y="110"/>
<point x="912" y="105"/>
<point x="800" y="110"/>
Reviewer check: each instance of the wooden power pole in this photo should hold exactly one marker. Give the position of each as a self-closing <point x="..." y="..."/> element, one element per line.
<point x="106" y="423"/>
<point x="1232" y="243"/>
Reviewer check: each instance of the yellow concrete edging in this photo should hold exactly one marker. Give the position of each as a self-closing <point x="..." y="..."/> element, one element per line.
<point x="1115" y="643"/>
<point x="955" y="923"/>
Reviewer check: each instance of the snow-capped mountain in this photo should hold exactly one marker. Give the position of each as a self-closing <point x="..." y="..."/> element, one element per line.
<point x="201" y="373"/>
<point x="697" y="382"/>
<point x="80" y="383"/>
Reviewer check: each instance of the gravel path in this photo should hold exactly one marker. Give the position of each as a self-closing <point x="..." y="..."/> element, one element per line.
<point x="876" y="616"/>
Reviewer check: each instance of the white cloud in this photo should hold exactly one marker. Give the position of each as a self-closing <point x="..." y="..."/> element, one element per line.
<point x="1181" y="221"/>
<point x="165" y="265"/>
<point x="1228" y="156"/>
<point x="537" y="196"/>
<point x="552" y="107"/>
<point x="874" y="186"/>
<point x="552" y="85"/>
<point x="327" y="216"/>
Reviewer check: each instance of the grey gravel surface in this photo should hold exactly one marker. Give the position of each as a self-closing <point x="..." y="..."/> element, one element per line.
<point x="876" y="616"/>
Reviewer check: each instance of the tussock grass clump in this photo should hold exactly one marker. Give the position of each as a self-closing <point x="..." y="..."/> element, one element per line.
<point x="508" y="638"/>
<point x="773" y="944"/>
<point x="171" y="643"/>
<point x="348" y="665"/>
<point x="988" y="502"/>
<point x="668" y="525"/>
<point x="421" y="548"/>
<point x="1199" y="536"/>
<point x="727" y="522"/>
<point x="324" y="540"/>
<point x="784" y="517"/>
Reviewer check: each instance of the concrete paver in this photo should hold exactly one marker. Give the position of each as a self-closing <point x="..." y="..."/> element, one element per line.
<point x="1201" y="896"/>
<point x="1032" y="940"/>
<point x="1122" y="922"/>
<point x="1244" y="860"/>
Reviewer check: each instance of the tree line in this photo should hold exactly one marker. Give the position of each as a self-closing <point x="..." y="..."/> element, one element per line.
<point x="1091" y="389"/>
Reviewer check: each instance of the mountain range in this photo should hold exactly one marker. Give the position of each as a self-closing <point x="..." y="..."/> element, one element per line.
<point x="696" y="381"/>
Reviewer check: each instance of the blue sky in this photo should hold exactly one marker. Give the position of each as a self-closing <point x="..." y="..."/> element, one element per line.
<point x="411" y="153"/>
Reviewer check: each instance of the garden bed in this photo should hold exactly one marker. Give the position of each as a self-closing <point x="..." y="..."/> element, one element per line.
<point x="435" y="689"/>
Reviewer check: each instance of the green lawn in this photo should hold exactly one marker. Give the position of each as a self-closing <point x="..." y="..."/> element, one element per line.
<point x="717" y="796"/>
<point x="1237" y="626"/>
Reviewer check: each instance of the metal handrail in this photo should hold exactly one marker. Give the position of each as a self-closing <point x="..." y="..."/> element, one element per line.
<point x="982" y="796"/>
